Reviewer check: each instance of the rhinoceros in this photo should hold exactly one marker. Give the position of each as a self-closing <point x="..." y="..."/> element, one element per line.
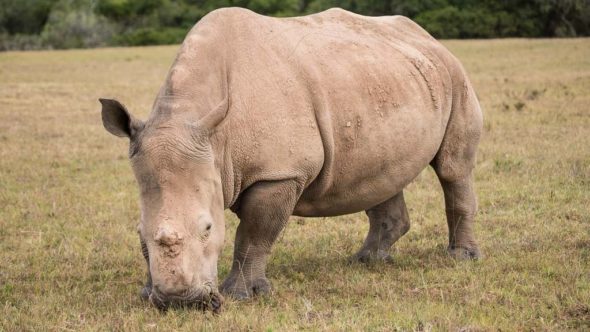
<point x="314" y="116"/>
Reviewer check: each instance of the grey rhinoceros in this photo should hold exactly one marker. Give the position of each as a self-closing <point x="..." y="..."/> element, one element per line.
<point x="321" y="115"/>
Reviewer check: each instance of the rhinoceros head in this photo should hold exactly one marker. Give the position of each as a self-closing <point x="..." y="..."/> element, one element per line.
<point x="182" y="225"/>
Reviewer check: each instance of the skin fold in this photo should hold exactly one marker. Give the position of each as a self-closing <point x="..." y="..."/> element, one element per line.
<point x="321" y="115"/>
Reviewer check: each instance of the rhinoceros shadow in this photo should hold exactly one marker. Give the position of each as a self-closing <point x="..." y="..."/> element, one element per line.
<point x="316" y="267"/>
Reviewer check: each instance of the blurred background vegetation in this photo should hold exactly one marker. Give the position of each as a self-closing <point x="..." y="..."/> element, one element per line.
<point x="35" y="24"/>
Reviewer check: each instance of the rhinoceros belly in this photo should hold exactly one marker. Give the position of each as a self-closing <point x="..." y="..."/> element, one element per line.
<point x="384" y="123"/>
<point x="371" y="164"/>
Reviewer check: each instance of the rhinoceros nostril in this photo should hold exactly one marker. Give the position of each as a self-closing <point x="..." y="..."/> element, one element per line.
<point x="167" y="237"/>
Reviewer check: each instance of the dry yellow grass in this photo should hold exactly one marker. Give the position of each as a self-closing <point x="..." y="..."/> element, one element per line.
<point x="70" y="258"/>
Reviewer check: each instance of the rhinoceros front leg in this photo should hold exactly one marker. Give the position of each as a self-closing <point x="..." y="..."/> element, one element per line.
<point x="388" y="221"/>
<point x="263" y="211"/>
<point x="147" y="289"/>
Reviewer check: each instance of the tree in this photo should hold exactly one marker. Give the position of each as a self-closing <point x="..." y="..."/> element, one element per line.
<point x="24" y="16"/>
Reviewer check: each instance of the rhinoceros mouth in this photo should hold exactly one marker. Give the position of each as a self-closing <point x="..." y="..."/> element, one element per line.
<point x="205" y="298"/>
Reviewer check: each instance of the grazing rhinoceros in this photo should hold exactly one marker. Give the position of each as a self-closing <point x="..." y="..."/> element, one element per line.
<point x="313" y="116"/>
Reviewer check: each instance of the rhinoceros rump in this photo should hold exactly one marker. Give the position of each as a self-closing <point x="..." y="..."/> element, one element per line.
<point x="321" y="115"/>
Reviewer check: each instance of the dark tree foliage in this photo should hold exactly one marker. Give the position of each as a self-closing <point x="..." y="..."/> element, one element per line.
<point x="142" y="22"/>
<point x="24" y="16"/>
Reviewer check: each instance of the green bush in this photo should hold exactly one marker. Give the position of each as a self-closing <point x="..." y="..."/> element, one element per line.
<point x="73" y="24"/>
<point x="124" y="10"/>
<point x="151" y="36"/>
<point x="275" y="7"/>
<point x="19" y="42"/>
<point x="437" y="22"/>
<point x="24" y="16"/>
<point x="452" y="22"/>
<point x="29" y="24"/>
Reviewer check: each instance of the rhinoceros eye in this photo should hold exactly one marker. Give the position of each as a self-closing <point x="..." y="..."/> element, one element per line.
<point x="204" y="225"/>
<point x="205" y="234"/>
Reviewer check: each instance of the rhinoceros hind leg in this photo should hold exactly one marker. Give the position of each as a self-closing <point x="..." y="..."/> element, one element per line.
<point x="454" y="164"/>
<point x="388" y="222"/>
<point x="461" y="205"/>
<point x="263" y="211"/>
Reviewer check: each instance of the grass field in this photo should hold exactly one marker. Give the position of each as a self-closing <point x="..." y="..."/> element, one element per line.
<point x="70" y="256"/>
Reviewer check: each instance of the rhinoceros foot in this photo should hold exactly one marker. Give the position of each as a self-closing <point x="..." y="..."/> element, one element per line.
<point x="240" y="289"/>
<point x="461" y="253"/>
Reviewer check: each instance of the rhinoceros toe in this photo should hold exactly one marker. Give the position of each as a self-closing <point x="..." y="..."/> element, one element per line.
<point x="242" y="290"/>
<point x="462" y="253"/>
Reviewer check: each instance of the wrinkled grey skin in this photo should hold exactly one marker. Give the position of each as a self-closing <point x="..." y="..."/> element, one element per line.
<point x="321" y="115"/>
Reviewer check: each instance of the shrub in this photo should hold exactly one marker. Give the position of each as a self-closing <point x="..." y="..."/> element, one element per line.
<point x="73" y="24"/>
<point x="19" y="42"/>
<point x="24" y="17"/>
<point x="151" y="36"/>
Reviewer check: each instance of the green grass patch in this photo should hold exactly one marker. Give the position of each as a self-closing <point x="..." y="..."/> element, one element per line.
<point x="70" y="257"/>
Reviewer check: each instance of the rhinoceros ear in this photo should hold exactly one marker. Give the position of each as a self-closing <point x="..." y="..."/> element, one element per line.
<point x="214" y="117"/>
<point x="117" y="120"/>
